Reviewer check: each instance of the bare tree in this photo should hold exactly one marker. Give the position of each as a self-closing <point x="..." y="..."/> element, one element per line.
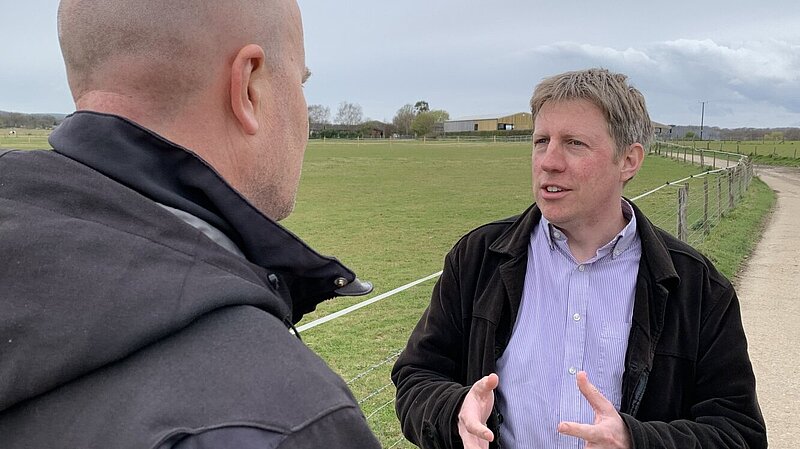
<point x="349" y="113"/>
<point x="319" y="115"/>
<point x="404" y="118"/>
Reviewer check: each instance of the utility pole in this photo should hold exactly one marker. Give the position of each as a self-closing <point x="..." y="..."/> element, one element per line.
<point x="702" y="115"/>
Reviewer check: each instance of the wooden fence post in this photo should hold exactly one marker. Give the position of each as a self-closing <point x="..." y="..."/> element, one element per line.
<point x="702" y="159"/>
<point x="741" y="181"/>
<point x="719" y="198"/>
<point x="730" y="189"/>
<point x="706" y="226"/>
<point x="683" y="198"/>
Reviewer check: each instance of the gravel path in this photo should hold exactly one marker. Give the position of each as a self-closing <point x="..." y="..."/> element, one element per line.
<point x="769" y="291"/>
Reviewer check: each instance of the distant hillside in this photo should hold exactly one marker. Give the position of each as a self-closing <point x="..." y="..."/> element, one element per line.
<point x="29" y="121"/>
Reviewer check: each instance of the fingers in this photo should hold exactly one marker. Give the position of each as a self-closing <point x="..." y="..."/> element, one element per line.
<point x="475" y="410"/>
<point x="586" y="432"/>
<point x="599" y="403"/>
<point x="479" y="430"/>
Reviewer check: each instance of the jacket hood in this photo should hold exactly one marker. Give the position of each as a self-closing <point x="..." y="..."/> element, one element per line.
<point x="92" y="271"/>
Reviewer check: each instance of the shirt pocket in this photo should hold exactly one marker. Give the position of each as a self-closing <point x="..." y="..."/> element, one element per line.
<point x="613" y="345"/>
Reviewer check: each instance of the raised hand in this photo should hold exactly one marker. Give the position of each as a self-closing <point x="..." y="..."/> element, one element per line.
<point x="475" y="410"/>
<point x="608" y="431"/>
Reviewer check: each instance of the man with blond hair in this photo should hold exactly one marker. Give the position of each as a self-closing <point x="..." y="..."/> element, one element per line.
<point x="147" y="291"/>
<point x="579" y="323"/>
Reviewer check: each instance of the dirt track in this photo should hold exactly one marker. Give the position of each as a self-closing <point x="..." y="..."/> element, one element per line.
<point x="769" y="291"/>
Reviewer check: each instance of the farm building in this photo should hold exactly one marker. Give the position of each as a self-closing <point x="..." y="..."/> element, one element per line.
<point x="520" y="120"/>
<point x="662" y="131"/>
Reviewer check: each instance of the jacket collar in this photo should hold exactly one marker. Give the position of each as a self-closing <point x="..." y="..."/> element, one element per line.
<point x="176" y="177"/>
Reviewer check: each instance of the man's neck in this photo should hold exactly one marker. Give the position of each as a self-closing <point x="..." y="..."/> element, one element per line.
<point x="585" y="239"/>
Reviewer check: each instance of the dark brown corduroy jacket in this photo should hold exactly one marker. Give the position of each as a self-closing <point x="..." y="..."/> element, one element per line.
<point x="688" y="380"/>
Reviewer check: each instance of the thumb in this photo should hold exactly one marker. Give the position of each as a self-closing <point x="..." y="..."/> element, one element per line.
<point x="487" y="383"/>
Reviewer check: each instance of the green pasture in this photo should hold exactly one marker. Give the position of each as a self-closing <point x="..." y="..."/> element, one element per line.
<point x="391" y="212"/>
<point x="25" y="139"/>
<point x="766" y="152"/>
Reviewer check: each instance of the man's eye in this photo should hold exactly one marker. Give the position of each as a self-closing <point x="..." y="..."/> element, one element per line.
<point x="576" y="143"/>
<point x="539" y="141"/>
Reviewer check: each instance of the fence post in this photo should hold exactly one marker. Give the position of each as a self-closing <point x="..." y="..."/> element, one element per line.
<point x="741" y="182"/>
<point x="706" y="226"/>
<point x="683" y="198"/>
<point x="719" y="198"/>
<point x="730" y="189"/>
<point x="714" y="165"/>
<point x="702" y="159"/>
<point x="684" y="154"/>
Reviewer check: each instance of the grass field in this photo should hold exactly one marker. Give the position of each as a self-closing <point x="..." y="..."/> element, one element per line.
<point x="392" y="211"/>
<point x="25" y="139"/>
<point x="763" y="152"/>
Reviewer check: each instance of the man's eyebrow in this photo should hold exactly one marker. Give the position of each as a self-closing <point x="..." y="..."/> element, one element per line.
<point x="306" y="75"/>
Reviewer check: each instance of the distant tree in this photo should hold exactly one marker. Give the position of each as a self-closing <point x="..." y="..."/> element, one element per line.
<point x="319" y="115"/>
<point x="421" y="106"/>
<point x="774" y="135"/>
<point x="404" y="118"/>
<point x="425" y="122"/>
<point x="689" y="135"/>
<point x="349" y="114"/>
<point x="440" y="115"/>
<point x="29" y="121"/>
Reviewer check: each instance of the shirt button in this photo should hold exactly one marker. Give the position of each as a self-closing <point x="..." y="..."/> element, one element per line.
<point x="581" y="268"/>
<point x="576" y="317"/>
<point x="557" y="235"/>
<point x="616" y="252"/>
<point x="572" y="370"/>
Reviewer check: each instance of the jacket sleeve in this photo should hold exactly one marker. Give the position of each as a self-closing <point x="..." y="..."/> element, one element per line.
<point x="342" y="429"/>
<point x="429" y="394"/>
<point x="725" y="413"/>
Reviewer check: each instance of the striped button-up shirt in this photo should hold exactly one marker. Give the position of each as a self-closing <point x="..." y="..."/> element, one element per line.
<point x="573" y="317"/>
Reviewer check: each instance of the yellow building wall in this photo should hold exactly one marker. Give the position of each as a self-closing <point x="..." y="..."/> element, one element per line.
<point x="521" y="120"/>
<point x="487" y="125"/>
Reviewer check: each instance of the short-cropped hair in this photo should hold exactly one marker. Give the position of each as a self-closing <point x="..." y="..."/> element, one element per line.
<point x="622" y="104"/>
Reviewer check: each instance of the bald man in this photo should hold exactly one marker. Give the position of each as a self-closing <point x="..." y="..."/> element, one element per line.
<point x="146" y="290"/>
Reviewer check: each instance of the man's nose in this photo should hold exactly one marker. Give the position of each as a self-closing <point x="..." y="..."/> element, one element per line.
<point x="552" y="157"/>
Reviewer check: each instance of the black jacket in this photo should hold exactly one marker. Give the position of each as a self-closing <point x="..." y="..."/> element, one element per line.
<point x="121" y="326"/>
<point x="688" y="381"/>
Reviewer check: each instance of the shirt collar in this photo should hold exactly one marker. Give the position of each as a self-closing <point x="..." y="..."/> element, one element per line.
<point x="616" y="246"/>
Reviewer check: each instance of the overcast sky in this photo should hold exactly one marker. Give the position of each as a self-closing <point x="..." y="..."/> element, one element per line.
<point x="484" y="57"/>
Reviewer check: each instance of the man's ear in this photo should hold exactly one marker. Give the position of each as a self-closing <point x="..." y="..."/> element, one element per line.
<point x="245" y="94"/>
<point x="631" y="162"/>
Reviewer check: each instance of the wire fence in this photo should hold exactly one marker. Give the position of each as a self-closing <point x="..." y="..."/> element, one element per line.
<point x="689" y="208"/>
<point x="698" y="202"/>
